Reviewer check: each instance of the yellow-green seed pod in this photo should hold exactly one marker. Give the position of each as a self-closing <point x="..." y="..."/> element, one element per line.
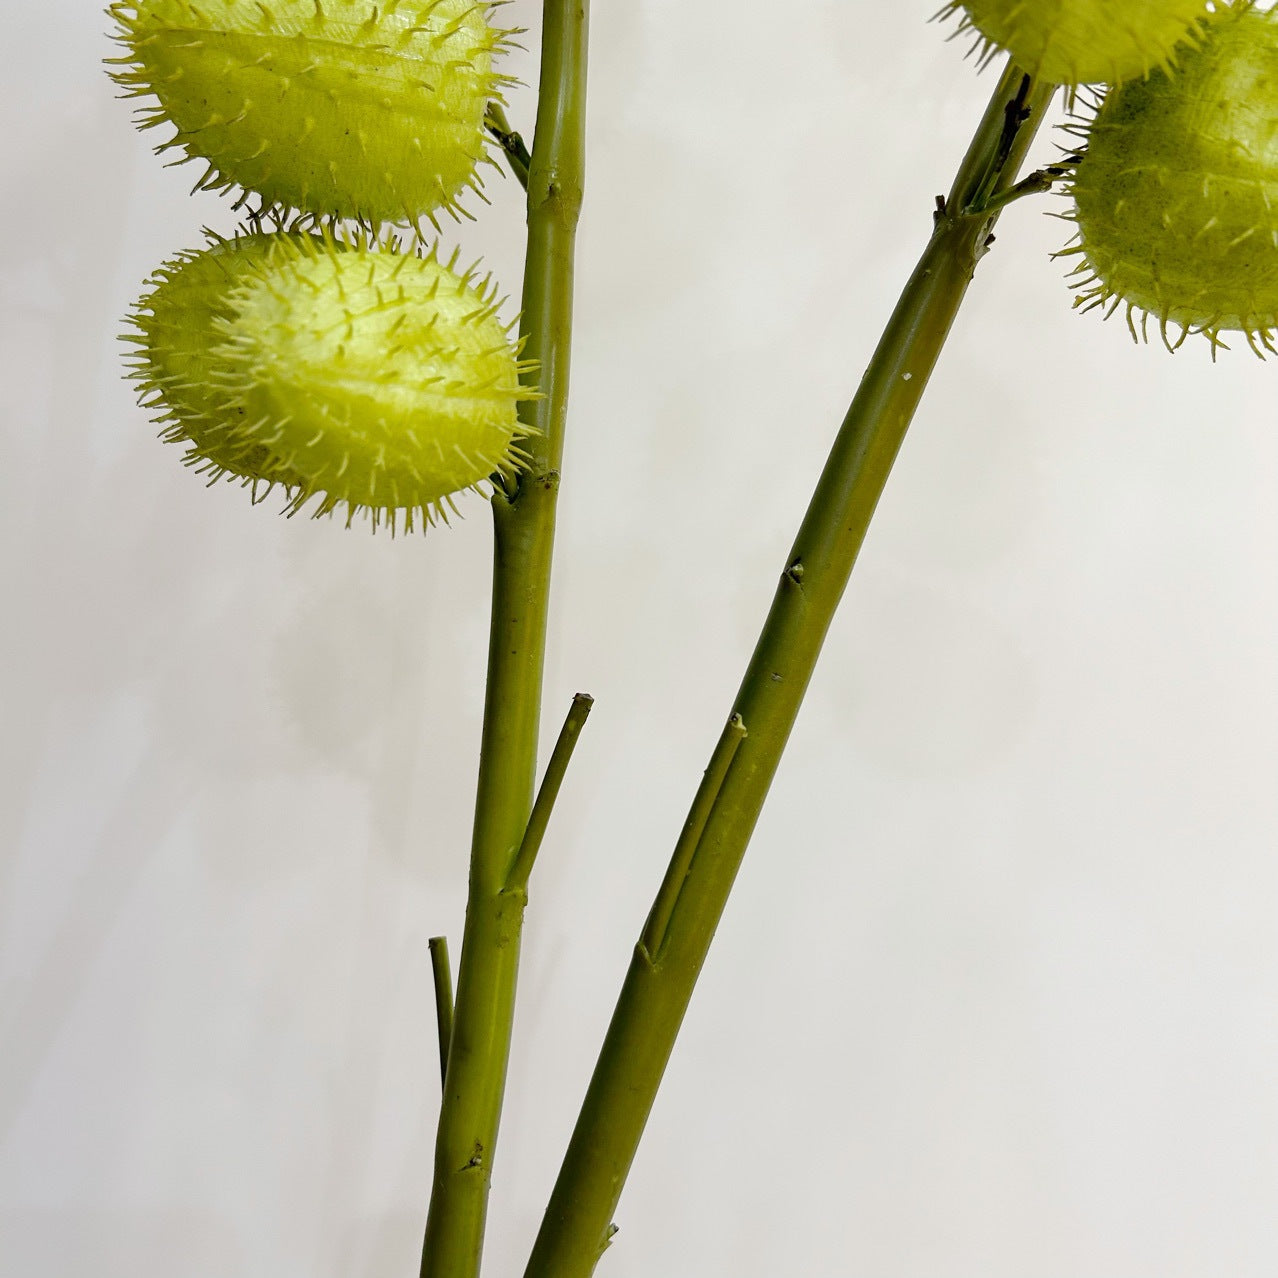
<point x="368" y="376"/>
<point x="383" y="377"/>
<point x="1083" y="41"/>
<point x="1176" y="196"/>
<point x="365" y="109"/>
<point x="172" y="328"/>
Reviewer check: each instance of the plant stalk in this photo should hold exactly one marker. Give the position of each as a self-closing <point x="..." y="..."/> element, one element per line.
<point x="578" y="1221"/>
<point x="443" y="974"/>
<point x="544" y="804"/>
<point x="524" y="524"/>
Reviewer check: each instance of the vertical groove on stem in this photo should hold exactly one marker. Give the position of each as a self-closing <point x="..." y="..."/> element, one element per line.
<point x="654" y="931"/>
<point x="657" y="989"/>
<point x="524" y="528"/>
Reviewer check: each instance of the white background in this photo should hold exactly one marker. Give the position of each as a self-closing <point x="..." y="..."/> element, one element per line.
<point x="996" y="994"/>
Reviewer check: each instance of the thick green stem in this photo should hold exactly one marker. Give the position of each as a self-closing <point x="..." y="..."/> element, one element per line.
<point x="657" y="989"/>
<point x="524" y="522"/>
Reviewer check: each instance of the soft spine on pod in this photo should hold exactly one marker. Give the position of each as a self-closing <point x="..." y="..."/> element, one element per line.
<point x="1077" y="42"/>
<point x="366" y="375"/>
<point x="371" y="110"/>
<point x="1176" y="194"/>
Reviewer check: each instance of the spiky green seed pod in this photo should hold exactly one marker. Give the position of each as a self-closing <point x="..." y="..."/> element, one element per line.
<point x="365" y="109"/>
<point x="1176" y="196"/>
<point x="1083" y="41"/>
<point x="172" y="328"/>
<point x="372" y="377"/>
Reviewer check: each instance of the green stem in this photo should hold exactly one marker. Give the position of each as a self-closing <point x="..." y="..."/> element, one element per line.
<point x="524" y="523"/>
<point x="539" y="818"/>
<point x="510" y="142"/>
<point x="657" y="989"/>
<point x="443" y="974"/>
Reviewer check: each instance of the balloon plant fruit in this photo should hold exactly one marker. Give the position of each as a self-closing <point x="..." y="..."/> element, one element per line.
<point x="1082" y="41"/>
<point x="338" y="108"/>
<point x="373" y="376"/>
<point x="1176" y="194"/>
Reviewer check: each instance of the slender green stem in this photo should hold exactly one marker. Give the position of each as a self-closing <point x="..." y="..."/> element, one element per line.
<point x="524" y="522"/>
<point x="658" y="987"/>
<point x="443" y="974"/>
<point x="510" y="142"/>
<point x="539" y="818"/>
<point x="1037" y="183"/>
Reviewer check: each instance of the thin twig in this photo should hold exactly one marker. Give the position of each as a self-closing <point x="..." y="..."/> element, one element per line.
<point x="510" y="142"/>
<point x="442" y="972"/>
<point x="1037" y="183"/>
<point x="560" y="757"/>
